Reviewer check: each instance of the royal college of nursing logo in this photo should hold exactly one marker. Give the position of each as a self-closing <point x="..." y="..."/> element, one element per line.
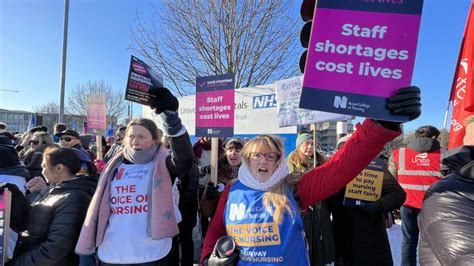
<point x="340" y="102"/>
<point x="421" y="159"/>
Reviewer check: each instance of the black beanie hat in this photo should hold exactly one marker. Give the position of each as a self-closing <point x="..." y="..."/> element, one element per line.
<point x="8" y="156"/>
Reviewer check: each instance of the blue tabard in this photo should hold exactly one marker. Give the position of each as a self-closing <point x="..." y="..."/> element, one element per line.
<point x="261" y="240"/>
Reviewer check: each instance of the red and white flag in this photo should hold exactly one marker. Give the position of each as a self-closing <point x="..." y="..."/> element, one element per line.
<point x="462" y="92"/>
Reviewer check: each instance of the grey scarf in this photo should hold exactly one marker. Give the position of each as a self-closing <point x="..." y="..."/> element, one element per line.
<point x="140" y="156"/>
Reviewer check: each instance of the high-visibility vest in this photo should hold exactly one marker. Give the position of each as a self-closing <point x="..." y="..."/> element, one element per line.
<point x="417" y="171"/>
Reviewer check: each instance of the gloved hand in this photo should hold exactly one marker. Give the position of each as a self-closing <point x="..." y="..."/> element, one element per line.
<point x="406" y="101"/>
<point x="99" y="164"/>
<point x="373" y="208"/>
<point x="225" y="253"/>
<point x="171" y="122"/>
<point x="19" y="206"/>
<point x="163" y="100"/>
<point x="205" y="169"/>
<point x="211" y="192"/>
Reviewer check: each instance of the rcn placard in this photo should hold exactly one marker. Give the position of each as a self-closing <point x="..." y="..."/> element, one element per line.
<point x="215" y="106"/>
<point x="360" y="53"/>
<point x="5" y="207"/>
<point x="140" y="79"/>
<point x="367" y="186"/>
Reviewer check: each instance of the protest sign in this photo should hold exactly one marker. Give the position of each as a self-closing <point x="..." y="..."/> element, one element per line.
<point x="367" y="186"/>
<point x="255" y="114"/>
<point x="5" y="205"/>
<point x="360" y="53"/>
<point x="288" y="93"/>
<point x="96" y="114"/>
<point x="215" y="106"/>
<point x="140" y="79"/>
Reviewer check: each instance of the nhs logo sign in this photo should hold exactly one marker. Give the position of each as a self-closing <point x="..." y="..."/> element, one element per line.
<point x="264" y="101"/>
<point x="340" y="102"/>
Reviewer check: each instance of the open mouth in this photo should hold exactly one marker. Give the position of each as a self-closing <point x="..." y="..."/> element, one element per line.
<point x="262" y="170"/>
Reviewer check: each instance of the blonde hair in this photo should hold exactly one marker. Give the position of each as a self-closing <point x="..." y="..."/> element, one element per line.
<point x="275" y="197"/>
<point x="298" y="159"/>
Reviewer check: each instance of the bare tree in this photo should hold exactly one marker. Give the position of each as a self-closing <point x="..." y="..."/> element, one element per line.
<point x="254" y="39"/>
<point x="50" y="107"/>
<point x="116" y="106"/>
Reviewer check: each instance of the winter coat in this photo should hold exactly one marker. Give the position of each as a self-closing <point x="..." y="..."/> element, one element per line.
<point x="424" y="144"/>
<point x="323" y="181"/>
<point x="446" y="220"/>
<point x="361" y="238"/>
<point x="17" y="171"/>
<point x="188" y="194"/>
<point x="54" y="221"/>
<point x="317" y="222"/>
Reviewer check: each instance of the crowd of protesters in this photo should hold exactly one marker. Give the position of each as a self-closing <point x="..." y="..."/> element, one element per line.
<point x="144" y="201"/>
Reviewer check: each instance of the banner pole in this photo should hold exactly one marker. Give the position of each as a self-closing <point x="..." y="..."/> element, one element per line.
<point x="98" y="141"/>
<point x="315" y="158"/>
<point x="214" y="155"/>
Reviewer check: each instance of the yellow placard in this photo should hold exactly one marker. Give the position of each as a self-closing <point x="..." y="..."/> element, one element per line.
<point x="257" y="234"/>
<point x="366" y="186"/>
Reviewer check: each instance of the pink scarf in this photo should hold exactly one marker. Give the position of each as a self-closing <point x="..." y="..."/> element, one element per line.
<point x="162" y="220"/>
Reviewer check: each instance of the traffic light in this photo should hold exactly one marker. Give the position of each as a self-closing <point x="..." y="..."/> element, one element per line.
<point x="306" y="12"/>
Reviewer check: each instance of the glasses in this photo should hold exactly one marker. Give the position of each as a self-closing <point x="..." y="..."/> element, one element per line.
<point x="271" y="156"/>
<point x="34" y="142"/>
<point x="66" y="139"/>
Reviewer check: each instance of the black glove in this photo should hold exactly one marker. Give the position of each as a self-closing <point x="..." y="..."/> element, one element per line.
<point x="225" y="253"/>
<point x="19" y="206"/>
<point x="206" y="169"/>
<point x="211" y="192"/>
<point x="373" y="208"/>
<point x="406" y="101"/>
<point x="163" y="100"/>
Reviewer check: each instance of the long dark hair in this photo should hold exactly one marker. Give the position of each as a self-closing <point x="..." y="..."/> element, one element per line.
<point x="69" y="158"/>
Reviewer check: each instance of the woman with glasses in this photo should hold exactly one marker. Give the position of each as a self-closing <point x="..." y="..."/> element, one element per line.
<point x="34" y="153"/>
<point x="261" y="210"/>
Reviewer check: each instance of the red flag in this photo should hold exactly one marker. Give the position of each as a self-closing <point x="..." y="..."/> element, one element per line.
<point x="462" y="92"/>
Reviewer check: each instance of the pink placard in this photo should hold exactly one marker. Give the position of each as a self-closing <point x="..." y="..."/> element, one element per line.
<point x="215" y="108"/>
<point x="373" y="63"/>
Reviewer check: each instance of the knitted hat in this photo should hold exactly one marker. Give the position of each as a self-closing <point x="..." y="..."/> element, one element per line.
<point x="5" y="140"/>
<point x="68" y="132"/>
<point x="3" y="127"/>
<point x="342" y="141"/>
<point x="8" y="156"/>
<point x="302" y="138"/>
<point x="234" y="143"/>
<point x="38" y="128"/>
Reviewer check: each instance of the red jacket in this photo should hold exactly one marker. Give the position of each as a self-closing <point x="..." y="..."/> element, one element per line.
<point x="323" y="181"/>
<point x="416" y="172"/>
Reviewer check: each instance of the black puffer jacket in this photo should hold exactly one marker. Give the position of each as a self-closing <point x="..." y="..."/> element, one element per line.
<point x="446" y="219"/>
<point x="54" y="220"/>
<point x="361" y="238"/>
